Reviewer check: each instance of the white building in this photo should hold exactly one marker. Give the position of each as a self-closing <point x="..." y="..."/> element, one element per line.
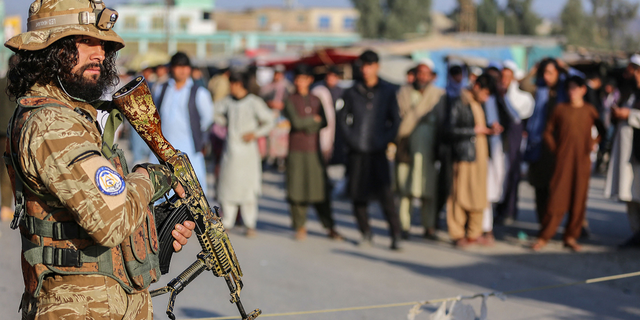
<point x="191" y="26"/>
<point x="155" y="26"/>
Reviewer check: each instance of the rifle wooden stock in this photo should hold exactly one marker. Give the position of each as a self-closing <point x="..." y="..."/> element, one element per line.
<point x="217" y="255"/>
<point x="136" y="104"/>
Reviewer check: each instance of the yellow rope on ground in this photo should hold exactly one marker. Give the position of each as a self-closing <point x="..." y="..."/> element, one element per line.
<point x="422" y="303"/>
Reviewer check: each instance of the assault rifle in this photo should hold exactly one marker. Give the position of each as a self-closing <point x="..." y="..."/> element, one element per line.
<point x="135" y="102"/>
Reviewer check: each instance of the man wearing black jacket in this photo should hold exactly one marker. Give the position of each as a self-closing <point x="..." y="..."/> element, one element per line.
<point x="369" y="121"/>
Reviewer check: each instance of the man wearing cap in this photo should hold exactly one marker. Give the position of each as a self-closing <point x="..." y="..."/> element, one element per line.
<point x="624" y="168"/>
<point x="186" y="111"/>
<point x="522" y="103"/>
<point x="89" y="247"/>
<point x="415" y="158"/>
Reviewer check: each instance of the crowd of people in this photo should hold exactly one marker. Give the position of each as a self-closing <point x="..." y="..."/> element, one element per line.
<point x="88" y="244"/>
<point x="460" y="150"/>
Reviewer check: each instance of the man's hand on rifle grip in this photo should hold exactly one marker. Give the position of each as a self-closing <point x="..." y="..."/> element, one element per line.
<point x="182" y="232"/>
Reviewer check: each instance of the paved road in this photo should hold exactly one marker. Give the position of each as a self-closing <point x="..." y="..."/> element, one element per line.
<point x="283" y="275"/>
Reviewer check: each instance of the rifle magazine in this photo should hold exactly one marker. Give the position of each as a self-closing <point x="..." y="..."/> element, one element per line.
<point x="168" y="214"/>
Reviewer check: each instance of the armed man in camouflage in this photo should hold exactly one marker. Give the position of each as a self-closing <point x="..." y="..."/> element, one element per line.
<point x="89" y="243"/>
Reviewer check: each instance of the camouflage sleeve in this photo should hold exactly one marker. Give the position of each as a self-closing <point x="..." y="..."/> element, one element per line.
<point x="63" y="158"/>
<point x="161" y="177"/>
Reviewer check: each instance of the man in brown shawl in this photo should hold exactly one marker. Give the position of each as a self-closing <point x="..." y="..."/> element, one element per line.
<point x="415" y="159"/>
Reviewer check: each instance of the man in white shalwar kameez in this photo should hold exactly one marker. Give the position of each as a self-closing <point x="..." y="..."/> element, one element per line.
<point x="247" y="117"/>
<point x="522" y="104"/>
<point x="624" y="169"/>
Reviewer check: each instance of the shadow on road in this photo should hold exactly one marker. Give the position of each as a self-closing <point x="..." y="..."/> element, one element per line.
<point x="484" y="275"/>
<point x="199" y="313"/>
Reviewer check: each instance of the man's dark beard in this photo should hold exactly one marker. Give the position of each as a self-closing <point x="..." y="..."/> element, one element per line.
<point x="420" y="86"/>
<point x="89" y="90"/>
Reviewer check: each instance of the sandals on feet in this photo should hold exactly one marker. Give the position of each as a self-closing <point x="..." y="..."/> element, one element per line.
<point x="573" y="245"/>
<point x="538" y="245"/>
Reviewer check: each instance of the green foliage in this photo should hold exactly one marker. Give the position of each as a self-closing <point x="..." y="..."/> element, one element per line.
<point x="520" y="18"/>
<point x="611" y="18"/>
<point x="407" y="16"/>
<point x="604" y="27"/>
<point x="575" y="24"/>
<point x="371" y="16"/>
<point x="392" y="19"/>
<point x="488" y="14"/>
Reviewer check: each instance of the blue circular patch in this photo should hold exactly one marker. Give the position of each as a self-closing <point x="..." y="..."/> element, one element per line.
<point x="109" y="182"/>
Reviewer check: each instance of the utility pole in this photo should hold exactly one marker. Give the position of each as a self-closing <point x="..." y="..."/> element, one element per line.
<point x="468" y="18"/>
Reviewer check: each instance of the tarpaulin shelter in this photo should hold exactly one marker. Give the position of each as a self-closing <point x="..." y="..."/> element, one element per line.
<point x="324" y="57"/>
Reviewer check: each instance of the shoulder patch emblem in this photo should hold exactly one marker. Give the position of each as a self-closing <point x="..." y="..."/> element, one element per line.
<point x="109" y="182"/>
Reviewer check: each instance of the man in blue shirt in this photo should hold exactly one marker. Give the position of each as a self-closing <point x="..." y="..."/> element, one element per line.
<point x="186" y="112"/>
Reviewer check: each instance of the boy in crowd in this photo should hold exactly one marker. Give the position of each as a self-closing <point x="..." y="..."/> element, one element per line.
<point x="247" y="118"/>
<point x="568" y="136"/>
<point x="306" y="177"/>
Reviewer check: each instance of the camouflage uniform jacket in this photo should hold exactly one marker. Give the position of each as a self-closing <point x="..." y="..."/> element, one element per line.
<point x="59" y="154"/>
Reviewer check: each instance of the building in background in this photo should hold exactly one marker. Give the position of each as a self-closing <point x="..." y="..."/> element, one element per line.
<point x="335" y="21"/>
<point x="195" y="27"/>
<point x="187" y="25"/>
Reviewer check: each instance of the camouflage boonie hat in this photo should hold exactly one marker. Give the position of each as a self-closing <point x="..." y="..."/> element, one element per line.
<point x="52" y="20"/>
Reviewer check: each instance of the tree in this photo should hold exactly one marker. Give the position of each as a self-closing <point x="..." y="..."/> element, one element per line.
<point x="604" y="27"/>
<point x="392" y="18"/>
<point x="488" y="14"/>
<point x="575" y="24"/>
<point x="407" y="16"/>
<point x="612" y="18"/>
<point x="520" y="18"/>
<point x="371" y="15"/>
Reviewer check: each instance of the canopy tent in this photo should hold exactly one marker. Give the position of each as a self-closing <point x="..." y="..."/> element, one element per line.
<point x="523" y="56"/>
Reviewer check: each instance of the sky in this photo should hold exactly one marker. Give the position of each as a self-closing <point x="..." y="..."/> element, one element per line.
<point x="546" y="8"/>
